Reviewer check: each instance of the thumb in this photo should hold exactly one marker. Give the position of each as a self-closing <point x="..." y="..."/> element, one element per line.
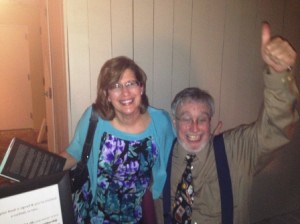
<point x="265" y="34"/>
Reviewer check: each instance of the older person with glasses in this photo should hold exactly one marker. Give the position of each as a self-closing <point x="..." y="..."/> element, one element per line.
<point x="130" y="149"/>
<point x="214" y="188"/>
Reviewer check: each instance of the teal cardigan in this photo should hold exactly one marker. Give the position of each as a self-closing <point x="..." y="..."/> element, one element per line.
<point x="162" y="133"/>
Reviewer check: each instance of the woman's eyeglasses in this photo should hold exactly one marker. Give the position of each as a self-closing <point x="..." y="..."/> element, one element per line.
<point x="118" y="87"/>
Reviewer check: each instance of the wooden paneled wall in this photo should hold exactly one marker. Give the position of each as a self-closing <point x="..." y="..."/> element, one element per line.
<point x="212" y="44"/>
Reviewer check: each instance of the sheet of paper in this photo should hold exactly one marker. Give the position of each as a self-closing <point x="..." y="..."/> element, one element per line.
<point x="32" y="207"/>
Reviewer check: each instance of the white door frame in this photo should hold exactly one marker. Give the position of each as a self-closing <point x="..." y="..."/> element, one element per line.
<point x="46" y="45"/>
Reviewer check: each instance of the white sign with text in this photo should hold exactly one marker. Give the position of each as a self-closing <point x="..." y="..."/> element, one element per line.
<point x="32" y="207"/>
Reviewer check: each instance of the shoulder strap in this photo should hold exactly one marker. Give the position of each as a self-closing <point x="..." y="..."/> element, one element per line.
<point x="224" y="180"/>
<point x="167" y="190"/>
<point x="90" y="136"/>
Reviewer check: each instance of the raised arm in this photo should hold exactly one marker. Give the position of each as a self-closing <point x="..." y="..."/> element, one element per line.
<point x="281" y="93"/>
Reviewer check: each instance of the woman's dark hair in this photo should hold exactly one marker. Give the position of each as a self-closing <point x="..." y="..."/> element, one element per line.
<point x="110" y="73"/>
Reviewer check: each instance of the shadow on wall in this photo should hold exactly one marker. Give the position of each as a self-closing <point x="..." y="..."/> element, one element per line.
<point x="276" y="188"/>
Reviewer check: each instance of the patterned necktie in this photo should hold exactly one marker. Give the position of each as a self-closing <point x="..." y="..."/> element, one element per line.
<point x="182" y="209"/>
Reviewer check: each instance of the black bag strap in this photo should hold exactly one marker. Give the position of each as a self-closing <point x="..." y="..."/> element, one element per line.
<point x="90" y="136"/>
<point x="224" y="180"/>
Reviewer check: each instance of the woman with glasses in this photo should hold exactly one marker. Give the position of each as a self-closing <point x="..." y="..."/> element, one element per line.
<point x="130" y="148"/>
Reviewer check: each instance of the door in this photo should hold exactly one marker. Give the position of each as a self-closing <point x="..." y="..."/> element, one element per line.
<point x="15" y="84"/>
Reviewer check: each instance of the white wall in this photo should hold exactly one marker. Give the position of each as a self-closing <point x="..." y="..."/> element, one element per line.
<point x="212" y="44"/>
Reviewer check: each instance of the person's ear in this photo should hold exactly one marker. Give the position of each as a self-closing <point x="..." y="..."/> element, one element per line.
<point x="142" y="90"/>
<point x="174" y="121"/>
<point x="106" y="95"/>
<point x="218" y="128"/>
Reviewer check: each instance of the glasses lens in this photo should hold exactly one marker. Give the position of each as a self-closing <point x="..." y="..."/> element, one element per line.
<point x="115" y="87"/>
<point x="132" y="84"/>
<point x="185" y="121"/>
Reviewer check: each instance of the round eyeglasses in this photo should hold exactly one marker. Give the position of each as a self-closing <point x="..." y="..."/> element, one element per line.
<point x="188" y="121"/>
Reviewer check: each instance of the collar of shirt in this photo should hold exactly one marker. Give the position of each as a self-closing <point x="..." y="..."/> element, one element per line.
<point x="179" y="153"/>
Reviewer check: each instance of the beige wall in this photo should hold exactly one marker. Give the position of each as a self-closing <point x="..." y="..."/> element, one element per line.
<point x="20" y="14"/>
<point x="212" y="44"/>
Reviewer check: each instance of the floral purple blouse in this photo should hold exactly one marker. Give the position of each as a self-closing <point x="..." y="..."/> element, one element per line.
<point x="124" y="173"/>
